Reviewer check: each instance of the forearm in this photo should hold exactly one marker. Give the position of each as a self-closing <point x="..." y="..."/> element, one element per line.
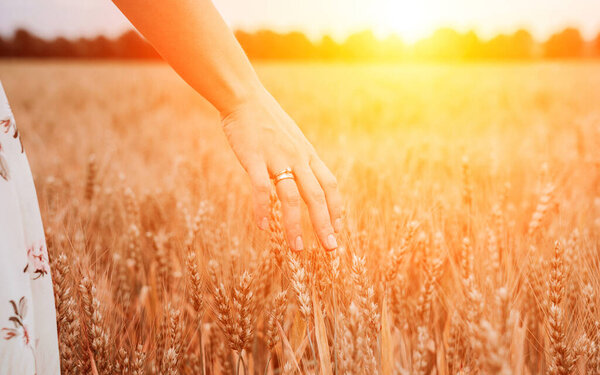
<point x="193" y="38"/>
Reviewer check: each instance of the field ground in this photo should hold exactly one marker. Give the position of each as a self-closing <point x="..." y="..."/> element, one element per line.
<point x="458" y="181"/>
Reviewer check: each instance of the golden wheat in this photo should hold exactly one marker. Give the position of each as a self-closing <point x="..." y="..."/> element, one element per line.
<point x="458" y="181"/>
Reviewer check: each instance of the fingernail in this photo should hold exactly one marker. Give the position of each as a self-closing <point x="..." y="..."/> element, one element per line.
<point x="264" y="224"/>
<point x="331" y="242"/>
<point x="299" y="244"/>
<point x="337" y="225"/>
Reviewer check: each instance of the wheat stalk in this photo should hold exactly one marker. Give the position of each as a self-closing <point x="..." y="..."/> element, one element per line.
<point x="97" y="337"/>
<point x="561" y="355"/>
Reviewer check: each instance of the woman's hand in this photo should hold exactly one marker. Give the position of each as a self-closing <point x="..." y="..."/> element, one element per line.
<point x="193" y="38"/>
<point x="267" y="141"/>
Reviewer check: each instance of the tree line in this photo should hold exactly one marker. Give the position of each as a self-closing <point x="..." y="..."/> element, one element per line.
<point x="444" y="44"/>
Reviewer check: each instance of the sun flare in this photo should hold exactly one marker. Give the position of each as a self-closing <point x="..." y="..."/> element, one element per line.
<point x="411" y="20"/>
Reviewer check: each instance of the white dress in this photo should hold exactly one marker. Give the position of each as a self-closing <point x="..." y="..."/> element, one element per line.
<point x="28" y="337"/>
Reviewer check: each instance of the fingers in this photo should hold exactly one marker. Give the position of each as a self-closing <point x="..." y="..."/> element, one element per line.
<point x="313" y="195"/>
<point x="328" y="183"/>
<point x="261" y="190"/>
<point x="290" y="207"/>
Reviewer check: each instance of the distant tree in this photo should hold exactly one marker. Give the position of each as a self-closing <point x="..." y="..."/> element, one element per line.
<point x="62" y="47"/>
<point x="497" y="47"/>
<point x="5" y="48"/>
<point x="565" y="44"/>
<point x="102" y="47"/>
<point x="267" y="44"/>
<point x="448" y="44"/>
<point x="246" y="40"/>
<point x="392" y="48"/>
<point x="471" y="46"/>
<point x="26" y="44"/>
<point x="296" y="45"/>
<point x="132" y="45"/>
<point x="328" y="49"/>
<point x="523" y="44"/>
<point x="262" y="44"/>
<point x="361" y="46"/>
<point x="519" y="45"/>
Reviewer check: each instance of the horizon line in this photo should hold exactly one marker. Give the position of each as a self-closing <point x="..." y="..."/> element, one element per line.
<point x="317" y="37"/>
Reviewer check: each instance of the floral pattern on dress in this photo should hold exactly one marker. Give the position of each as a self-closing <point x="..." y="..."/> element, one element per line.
<point x="28" y="337"/>
<point x="4" y="171"/>
<point x="19" y="329"/>
<point x="9" y="125"/>
<point x="37" y="261"/>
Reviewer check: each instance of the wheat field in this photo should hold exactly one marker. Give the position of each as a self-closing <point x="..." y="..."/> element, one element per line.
<point x="471" y="226"/>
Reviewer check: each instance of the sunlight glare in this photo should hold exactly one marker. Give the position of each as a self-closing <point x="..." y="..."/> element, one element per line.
<point x="408" y="19"/>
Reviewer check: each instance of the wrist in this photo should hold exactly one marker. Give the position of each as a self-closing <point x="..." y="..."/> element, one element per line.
<point x="246" y="94"/>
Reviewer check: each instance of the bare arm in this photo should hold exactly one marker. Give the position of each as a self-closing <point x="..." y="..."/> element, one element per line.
<point x="194" y="39"/>
<point x="196" y="42"/>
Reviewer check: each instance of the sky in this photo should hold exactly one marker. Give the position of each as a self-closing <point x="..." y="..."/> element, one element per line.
<point x="411" y="19"/>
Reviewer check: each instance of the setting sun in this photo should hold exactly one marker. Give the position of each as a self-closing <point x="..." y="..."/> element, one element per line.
<point x="409" y="19"/>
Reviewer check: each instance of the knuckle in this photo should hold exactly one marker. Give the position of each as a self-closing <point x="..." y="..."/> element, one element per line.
<point x="293" y="227"/>
<point x="287" y="148"/>
<point x="262" y="187"/>
<point x="316" y="196"/>
<point x="322" y="225"/>
<point x="331" y="183"/>
<point x="260" y="207"/>
<point x="291" y="199"/>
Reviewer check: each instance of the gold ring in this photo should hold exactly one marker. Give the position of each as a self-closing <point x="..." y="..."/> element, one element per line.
<point x="284" y="174"/>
